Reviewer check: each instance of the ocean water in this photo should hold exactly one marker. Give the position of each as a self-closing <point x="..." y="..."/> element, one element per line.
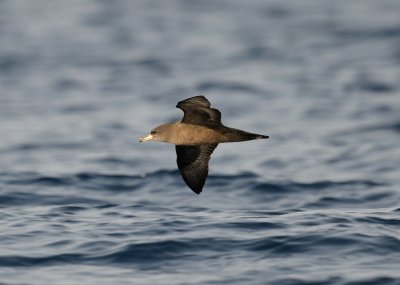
<point x="83" y="202"/>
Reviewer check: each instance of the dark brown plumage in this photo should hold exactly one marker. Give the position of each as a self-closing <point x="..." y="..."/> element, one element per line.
<point x="195" y="137"/>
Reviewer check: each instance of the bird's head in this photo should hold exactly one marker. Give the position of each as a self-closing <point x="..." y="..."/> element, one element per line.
<point x="160" y="133"/>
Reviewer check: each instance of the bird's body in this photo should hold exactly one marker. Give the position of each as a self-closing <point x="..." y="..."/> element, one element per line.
<point x="187" y="134"/>
<point x="195" y="138"/>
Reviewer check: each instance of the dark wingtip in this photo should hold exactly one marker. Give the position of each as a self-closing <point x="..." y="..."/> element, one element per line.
<point x="196" y="190"/>
<point x="199" y="100"/>
<point x="263" y="137"/>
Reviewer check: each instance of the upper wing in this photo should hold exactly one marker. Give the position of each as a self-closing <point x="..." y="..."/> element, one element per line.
<point x="197" y="111"/>
<point x="193" y="164"/>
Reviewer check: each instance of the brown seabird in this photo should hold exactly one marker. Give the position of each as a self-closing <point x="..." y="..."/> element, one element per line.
<point x="195" y="138"/>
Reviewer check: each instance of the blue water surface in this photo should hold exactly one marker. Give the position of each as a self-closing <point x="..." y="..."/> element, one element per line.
<point x="83" y="202"/>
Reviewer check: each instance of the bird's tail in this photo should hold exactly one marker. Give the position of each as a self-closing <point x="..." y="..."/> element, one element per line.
<point x="239" y="135"/>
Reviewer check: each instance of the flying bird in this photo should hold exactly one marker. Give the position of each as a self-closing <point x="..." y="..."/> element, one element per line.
<point x="195" y="138"/>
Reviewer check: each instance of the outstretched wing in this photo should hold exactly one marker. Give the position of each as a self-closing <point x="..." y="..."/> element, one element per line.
<point x="197" y="111"/>
<point x="192" y="162"/>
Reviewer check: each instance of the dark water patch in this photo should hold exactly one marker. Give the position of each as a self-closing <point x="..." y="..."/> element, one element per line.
<point x="266" y="213"/>
<point x="374" y="281"/>
<point x="122" y="183"/>
<point x="311" y="243"/>
<point x="175" y="224"/>
<point x="380" y="221"/>
<point x="163" y="173"/>
<point x="274" y="163"/>
<point x="378" y="245"/>
<point x="241" y="175"/>
<point x="21" y="198"/>
<point x="59" y="244"/>
<point x="95" y="247"/>
<point x="155" y="64"/>
<point x="193" y="209"/>
<point x="307" y="281"/>
<point x="396" y="55"/>
<point x="106" y="206"/>
<point x="26" y="198"/>
<point x="276" y="11"/>
<point x="48" y="146"/>
<point x="31" y="179"/>
<point x="11" y="64"/>
<point x="116" y="126"/>
<point x="69" y="84"/>
<point x="280" y="245"/>
<point x="34" y="179"/>
<point x="227" y="182"/>
<point x="270" y="188"/>
<point x="25" y="261"/>
<point x="370" y="85"/>
<point x="378" y="196"/>
<point x="350" y="199"/>
<point x="284" y="187"/>
<point x="253" y="226"/>
<point x="166" y="252"/>
<point x="318" y="219"/>
<point x="49" y="181"/>
<point x="213" y="86"/>
<point x="336" y="280"/>
<point x="317" y="243"/>
<point x="70" y="209"/>
<point x="149" y="252"/>
<point x="160" y="252"/>
<point x="88" y="176"/>
<point x="203" y="6"/>
<point x="79" y="108"/>
<point x="393" y="126"/>
<point x="368" y="34"/>
<point x="260" y="52"/>
<point x="107" y="182"/>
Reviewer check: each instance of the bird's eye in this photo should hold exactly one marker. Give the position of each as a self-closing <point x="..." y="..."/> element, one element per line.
<point x="153" y="132"/>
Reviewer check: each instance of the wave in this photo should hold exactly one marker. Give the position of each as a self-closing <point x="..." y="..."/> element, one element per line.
<point x="247" y="183"/>
<point x="191" y="249"/>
